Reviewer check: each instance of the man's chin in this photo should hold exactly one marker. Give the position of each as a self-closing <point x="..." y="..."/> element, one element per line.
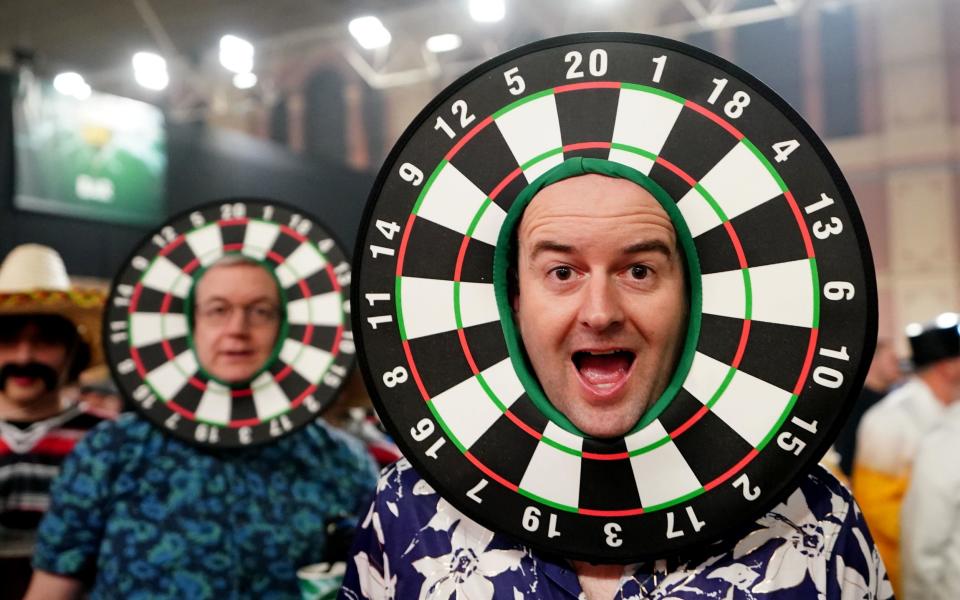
<point x="603" y="423"/>
<point x="23" y="396"/>
<point x="236" y="375"/>
<point x="603" y="430"/>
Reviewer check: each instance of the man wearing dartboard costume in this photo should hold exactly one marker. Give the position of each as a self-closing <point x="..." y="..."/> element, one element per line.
<point x="140" y="510"/>
<point x="600" y="306"/>
<point x="584" y="452"/>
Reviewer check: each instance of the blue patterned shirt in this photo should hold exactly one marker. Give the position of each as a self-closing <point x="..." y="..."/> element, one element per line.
<point x="413" y="544"/>
<point x="138" y="514"/>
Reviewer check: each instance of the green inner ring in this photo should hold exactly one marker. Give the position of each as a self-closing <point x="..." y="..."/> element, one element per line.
<point x="573" y="167"/>
<point x="282" y="332"/>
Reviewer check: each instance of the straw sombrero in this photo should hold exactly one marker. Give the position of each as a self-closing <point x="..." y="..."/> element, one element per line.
<point x="34" y="280"/>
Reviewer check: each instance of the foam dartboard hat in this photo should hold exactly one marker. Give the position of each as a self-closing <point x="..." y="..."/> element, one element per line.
<point x="782" y="295"/>
<point x="149" y="325"/>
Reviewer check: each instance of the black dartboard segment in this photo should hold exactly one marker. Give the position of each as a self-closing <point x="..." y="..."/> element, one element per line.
<point x="147" y="330"/>
<point x="788" y="309"/>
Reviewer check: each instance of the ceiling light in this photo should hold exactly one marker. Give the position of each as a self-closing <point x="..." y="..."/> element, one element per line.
<point x="150" y="70"/>
<point x="948" y="319"/>
<point x="236" y="54"/>
<point x="244" y="81"/>
<point x="914" y="329"/>
<point x="444" y="42"/>
<point x="487" y="11"/>
<point x="71" y="84"/>
<point x="369" y="32"/>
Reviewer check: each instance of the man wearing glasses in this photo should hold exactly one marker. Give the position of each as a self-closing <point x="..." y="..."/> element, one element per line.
<point x="236" y="319"/>
<point x="137" y="511"/>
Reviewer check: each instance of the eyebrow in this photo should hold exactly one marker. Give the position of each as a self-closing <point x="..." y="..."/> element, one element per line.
<point x="638" y="248"/>
<point x="651" y="246"/>
<point x="227" y="300"/>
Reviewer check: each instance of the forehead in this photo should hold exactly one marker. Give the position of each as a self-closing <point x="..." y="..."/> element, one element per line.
<point x="238" y="280"/>
<point x="45" y="326"/>
<point x="581" y="206"/>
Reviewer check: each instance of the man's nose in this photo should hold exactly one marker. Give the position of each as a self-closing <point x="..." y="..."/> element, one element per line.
<point x="601" y="307"/>
<point x="237" y="322"/>
<point x="25" y="351"/>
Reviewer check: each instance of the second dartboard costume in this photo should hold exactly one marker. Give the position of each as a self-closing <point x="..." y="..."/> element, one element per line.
<point x="226" y="329"/>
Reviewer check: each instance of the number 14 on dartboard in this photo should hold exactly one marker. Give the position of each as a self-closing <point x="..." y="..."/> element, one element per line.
<point x="389" y="231"/>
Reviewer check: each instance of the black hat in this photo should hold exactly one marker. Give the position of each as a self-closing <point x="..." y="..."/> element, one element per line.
<point x="935" y="341"/>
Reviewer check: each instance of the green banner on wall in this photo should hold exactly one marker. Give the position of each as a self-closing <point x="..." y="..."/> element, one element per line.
<point x="103" y="157"/>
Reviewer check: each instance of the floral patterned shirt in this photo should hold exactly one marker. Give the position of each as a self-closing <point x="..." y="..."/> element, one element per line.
<point x="140" y="514"/>
<point x="413" y="544"/>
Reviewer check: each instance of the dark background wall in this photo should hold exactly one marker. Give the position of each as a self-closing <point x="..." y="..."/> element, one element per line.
<point x="204" y="164"/>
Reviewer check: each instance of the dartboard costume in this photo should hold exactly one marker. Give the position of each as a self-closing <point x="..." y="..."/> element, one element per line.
<point x="780" y="287"/>
<point x="214" y="489"/>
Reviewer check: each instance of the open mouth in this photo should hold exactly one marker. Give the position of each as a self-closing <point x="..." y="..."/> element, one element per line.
<point x="603" y="369"/>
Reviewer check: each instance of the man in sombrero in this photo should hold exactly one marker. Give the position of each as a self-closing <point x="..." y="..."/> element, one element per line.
<point x="49" y="332"/>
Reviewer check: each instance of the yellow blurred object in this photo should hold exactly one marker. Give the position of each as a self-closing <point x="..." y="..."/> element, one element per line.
<point x="880" y="496"/>
<point x="97" y="136"/>
<point x="831" y="462"/>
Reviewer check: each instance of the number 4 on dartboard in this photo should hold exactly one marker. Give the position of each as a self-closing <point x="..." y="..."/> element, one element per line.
<point x="785" y="149"/>
<point x="387" y="228"/>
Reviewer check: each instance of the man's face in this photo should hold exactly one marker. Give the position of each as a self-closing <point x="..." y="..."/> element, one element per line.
<point x="601" y="304"/>
<point x="885" y="367"/>
<point x="953" y="376"/>
<point x="33" y="361"/>
<point x="236" y="320"/>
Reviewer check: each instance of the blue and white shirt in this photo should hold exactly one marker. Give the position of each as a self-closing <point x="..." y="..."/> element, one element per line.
<point x="137" y="513"/>
<point x="413" y="544"/>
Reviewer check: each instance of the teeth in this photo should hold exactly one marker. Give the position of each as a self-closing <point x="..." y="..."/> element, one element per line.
<point x="603" y="353"/>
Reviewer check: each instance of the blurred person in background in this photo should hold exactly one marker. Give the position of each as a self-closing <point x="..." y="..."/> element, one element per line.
<point x="353" y="412"/>
<point x="930" y="518"/>
<point x="47" y="332"/>
<point x="137" y="511"/>
<point x="884" y="372"/>
<point x="99" y="392"/>
<point x="891" y="432"/>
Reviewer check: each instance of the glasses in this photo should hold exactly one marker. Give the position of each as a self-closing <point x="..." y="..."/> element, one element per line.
<point x="220" y="313"/>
